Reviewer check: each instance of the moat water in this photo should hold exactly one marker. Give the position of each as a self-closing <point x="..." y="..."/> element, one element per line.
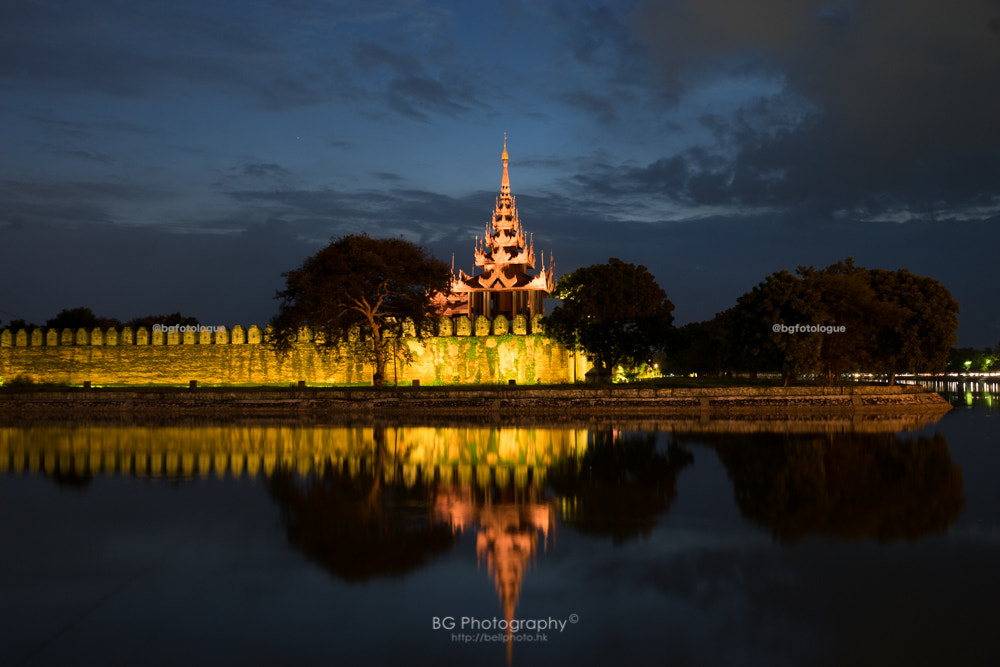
<point x="680" y="543"/>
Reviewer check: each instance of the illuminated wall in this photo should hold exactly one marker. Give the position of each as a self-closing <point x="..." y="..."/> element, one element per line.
<point x="483" y="352"/>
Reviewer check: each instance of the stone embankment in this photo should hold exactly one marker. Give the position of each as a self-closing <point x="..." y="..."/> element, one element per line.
<point x="493" y="404"/>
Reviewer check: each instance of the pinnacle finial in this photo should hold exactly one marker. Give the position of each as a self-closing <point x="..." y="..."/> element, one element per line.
<point x="505" y="181"/>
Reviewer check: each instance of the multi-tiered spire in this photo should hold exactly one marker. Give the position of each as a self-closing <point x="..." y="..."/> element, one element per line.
<point x="504" y="241"/>
<point x="505" y="256"/>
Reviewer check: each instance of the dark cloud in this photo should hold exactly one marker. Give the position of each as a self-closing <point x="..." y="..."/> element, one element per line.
<point x="147" y="50"/>
<point x="416" y="97"/>
<point x="75" y="191"/>
<point x="885" y="101"/>
<point x="268" y="170"/>
<point x="602" y="107"/>
<point x="368" y="57"/>
<point x="79" y="154"/>
<point x="388" y="177"/>
<point x="422" y="216"/>
<point x="88" y="128"/>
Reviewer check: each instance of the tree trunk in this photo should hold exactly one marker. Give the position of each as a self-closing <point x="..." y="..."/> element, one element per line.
<point x="379" y="378"/>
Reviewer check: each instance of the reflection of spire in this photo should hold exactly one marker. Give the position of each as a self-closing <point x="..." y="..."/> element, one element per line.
<point x="507" y="540"/>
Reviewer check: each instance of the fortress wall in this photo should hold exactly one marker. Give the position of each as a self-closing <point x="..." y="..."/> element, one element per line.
<point x="478" y="353"/>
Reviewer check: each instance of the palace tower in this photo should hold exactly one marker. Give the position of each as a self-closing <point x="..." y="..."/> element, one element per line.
<point x="505" y="256"/>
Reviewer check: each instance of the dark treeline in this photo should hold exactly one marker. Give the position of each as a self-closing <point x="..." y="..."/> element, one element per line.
<point x="971" y="360"/>
<point x="863" y="320"/>
<point x="84" y="318"/>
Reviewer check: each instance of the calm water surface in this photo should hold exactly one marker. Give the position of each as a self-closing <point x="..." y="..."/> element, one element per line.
<point x="680" y="543"/>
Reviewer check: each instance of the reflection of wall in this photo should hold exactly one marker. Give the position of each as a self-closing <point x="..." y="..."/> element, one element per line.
<point x="85" y="355"/>
<point x="413" y="453"/>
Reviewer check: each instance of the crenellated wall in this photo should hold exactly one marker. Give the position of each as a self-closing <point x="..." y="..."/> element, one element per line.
<point x="463" y="352"/>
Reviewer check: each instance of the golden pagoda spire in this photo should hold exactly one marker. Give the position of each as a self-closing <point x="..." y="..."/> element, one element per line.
<point x="505" y="181"/>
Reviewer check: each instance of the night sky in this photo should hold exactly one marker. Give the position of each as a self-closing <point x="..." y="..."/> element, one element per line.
<point x="178" y="156"/>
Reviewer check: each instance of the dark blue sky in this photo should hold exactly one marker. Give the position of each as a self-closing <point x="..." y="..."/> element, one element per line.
<point x="164" y="156"/>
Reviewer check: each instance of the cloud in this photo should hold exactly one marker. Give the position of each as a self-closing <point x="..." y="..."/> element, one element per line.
<point x="78" y="153"/>
<point x="268" y="170"/>
<point x="895" y="100"/>
<point x="151" y="51"/>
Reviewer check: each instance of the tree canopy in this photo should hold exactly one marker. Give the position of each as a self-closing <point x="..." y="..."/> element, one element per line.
<point x="80" y="318"/>
<point x="359" y="291"/>
<point x="615" y="312"/>
<point x="869" y="320"/>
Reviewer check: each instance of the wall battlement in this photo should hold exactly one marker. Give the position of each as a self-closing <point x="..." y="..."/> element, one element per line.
<point x="460" y="352"/>
<point x="238" y="335"/>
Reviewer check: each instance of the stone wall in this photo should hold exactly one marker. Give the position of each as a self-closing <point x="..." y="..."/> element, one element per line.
<point x="481" y="352"/>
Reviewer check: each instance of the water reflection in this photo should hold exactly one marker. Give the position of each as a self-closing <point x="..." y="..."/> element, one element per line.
<point x="968" y="392"/>
<point x="236" y="450"/>
<point x="853" y="486"/>
<point x="375" y="501"/>
<point x="380" y="486"/>
<point x="719" y="542"/>
<point x="354" y="524"/>
<point x="621" y="487"/>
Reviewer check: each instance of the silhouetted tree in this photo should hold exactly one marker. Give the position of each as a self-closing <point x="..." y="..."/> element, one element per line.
<point x="697" y="347"/>
<point x="17" y="325"/>
<point x="362" y="285"/>
<point x="80" y="318"/>
<point x="892" y="321"/>
<point x="782" y="298"/>
<point x="921" y="328"/>
<point x="615" y="312"/>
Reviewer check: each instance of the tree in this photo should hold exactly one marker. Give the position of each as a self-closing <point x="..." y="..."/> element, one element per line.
<point x="358" y="292"/>
<point x="923" y="327"/>
<point x="80" y="318"/>
<point x="696" y="347"/>
<point x="844" y="298"/>
<point x="17" y="325"/>
<point x="782" y="299"/>
<point x="867" y="319"/>
<point x="616" y="312"/>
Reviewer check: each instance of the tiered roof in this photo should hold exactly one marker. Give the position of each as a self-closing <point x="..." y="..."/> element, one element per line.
<point x="504" y="253"/>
